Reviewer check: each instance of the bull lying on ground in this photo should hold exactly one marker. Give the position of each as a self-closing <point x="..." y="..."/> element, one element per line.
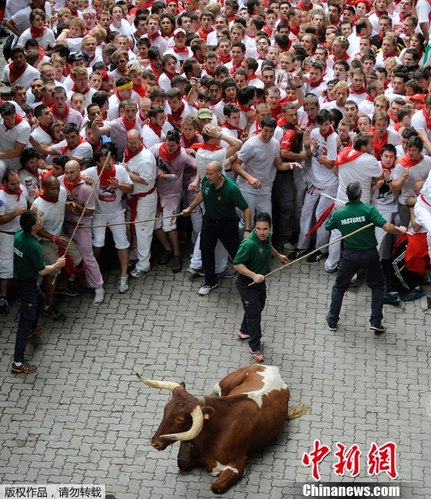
<point x="248" y="408"/>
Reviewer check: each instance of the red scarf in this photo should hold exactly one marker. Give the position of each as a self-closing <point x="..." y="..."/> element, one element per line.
<point x="407" y="162"/>
<point x="277" y="112"/>
<point x="45" y="129"/>
<point x="228" y="126"/>
<point x="369" y="98"/>
<point x="394" y="54"/>
<point x="330" y="132"/>
<point x="36" y="32"/>
<point x="378" y="143"/>
<point x="209" y="73"/>
<point x="176" y="116"/>
<point x="427" y="118"/>
<point x="129" y="125"/>
<point x="344" y="57"/>
<point x="65" y="148"/>
<point x="128" y="155"/>
<point x="5" y="188"/>
<point x="67" y="69"/>
<point x="155" y="70"/>
<point x="294" y="30"/>
<point x="166" y="155"/>
<point x="18" y="120"/>
<point x="15" y="72"/>
<point x="234" y="69"/>
<point x="45" y="197"/>
<point x="267" y="30"/>
<point x="156" y="129"/>
<point x="184" y="50"/>
<point x="71" y="186"/>
<point x="189" y="142"/>
<point x="301" y="6"/>
<point x="169" y="74"/>
<point x="357" y="92"/>
<point x="76" y="89"/>
<point x="206" y="147"/>
<point x="316" y="84"/>
<point x="141" y="90"/>
<point x="106" y="175"/>
<point x="153" y="37"/>
<point x="346" y="155"/>
<point x="203" y="34"/>
<point x="62" y="116"/>
<point x="224" y="59"/>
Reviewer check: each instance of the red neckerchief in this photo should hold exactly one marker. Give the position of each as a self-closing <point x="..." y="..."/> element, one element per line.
<point x="427" y="118"/>
<point x="169" y="74"/>
<point x="407" y="162"/>
<point x="282" y="122"/>
<point x="267" y="30"/>
<point x="232" y="18"/>
<point x="128" y="155"/>
<point x="203" y="34"/>
<point x="294" y="30"/>
<point x="346" y="155"/>
<point x="277" y="112"/>
<point x="44" y="128"/>
<point x="65" y="148"/>
<point x="316" y="84"/>
<point x="347" y="143"/>
<point x="189" y="142"/>
<point x="184" y="50"/>
<point x="224" y="59"/>
<point x="357" y="92"/>
<point x="155" y="70"/>
<point x="147" y="5"/>
<point x="67" y="69"/>
<point x="155" y="128"/>
<point x="153" y="37"/>
<point x="311" y="124"/>
<point x="369" y="98"/>
<point x="71" y="186"/>
<point x="206" y="147"/>
<point x="394" y="54"/>
<point x="330" y="132"/>
<point x="106" y="175"/>
<point x="33" y="173"/>
<point x="378" y="14"/>
<point x="141" y="90"/>
<point x="228" y="126"/>
<point x="301" y="6"/>
<point x="5" y="188"/>
<point x="76" y="89"/>
<point x="166" y="155"/>
<point x="129" y="125"/>
<point x="176" y="116"/>
<point x="200" y="59"/>
<point x="344" y="57"/>
<point x="18" y="120"/>
<point x="36" y="32"/>
<point x="397" y="126"/>
<point x="377" y="142"/>
<point x="209" y="73"/>
<point x="45" y="198"/>
<point x="15" y="72"/>
<point x="234" y="69"/>
<point x="62" y="116"/>
<point x="243" y="108"/>
<point x="117" y="93"/>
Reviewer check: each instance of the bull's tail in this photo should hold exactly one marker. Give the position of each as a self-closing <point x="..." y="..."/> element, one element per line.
<point x="298" y="411"/>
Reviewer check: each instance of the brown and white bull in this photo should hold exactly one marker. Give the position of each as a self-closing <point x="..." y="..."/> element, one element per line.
<point x="245" y="412"/>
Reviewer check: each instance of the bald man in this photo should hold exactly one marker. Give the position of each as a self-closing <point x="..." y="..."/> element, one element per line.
<point x="141" y="166"/>
<point x="80" y="201"/>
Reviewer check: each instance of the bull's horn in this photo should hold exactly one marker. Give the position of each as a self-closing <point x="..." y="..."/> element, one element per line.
<point x="162" y="385"/>
<point x="197" y="424"/>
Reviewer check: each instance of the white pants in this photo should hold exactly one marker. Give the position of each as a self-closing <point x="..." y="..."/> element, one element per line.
<point x="6" y="255"/>
<point x="423" y="218"/>
<point x="383" y="237"/>
<point x="146" y="209"/>
<point x="314" y="206"/>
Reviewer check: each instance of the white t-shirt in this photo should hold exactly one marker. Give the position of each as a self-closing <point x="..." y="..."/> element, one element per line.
<point x="419" y="123"/>
<point x="320" y="175"/>
<point x="258" y="160"/>
<point x="46" y="40"/>
<point x="417" y="172"/>
<point x="8" y="204"/>
<point x="203" y="157"/>
<point x="81" y="151"/>
<point x="144" y="165"/>
<point x="362" y="170"/>
<point x="108" y="201"/>
<point x="8" y="139"/>
<point x="52" y="214"/>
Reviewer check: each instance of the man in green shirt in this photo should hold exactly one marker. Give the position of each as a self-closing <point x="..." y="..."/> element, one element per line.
<point x="359" y="252"/>
<point x="29" y="264"/>
<point x="252" y="262"/>
<point x="221" y="197"/>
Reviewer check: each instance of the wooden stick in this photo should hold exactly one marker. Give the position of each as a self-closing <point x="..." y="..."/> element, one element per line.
<point x="315" y="251"/>
<point x="130" y="223"/>
<point x="95" y="184"/>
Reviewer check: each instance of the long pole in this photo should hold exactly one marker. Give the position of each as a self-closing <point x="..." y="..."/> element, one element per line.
<point x="315" y="251"/>
<point x="134" y="222"/>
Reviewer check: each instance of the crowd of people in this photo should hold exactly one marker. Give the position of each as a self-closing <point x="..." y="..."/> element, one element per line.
<point x="122" y="112"/>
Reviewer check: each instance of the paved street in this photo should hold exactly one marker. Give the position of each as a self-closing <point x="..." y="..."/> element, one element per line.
<point x="85" y="418"/>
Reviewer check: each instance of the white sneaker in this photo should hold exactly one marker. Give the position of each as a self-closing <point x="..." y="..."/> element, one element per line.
<point x="123" y="285"/>
<point x="139" y="273"/>
<point x="206" y="289"/>
<point x="99" y="296"/>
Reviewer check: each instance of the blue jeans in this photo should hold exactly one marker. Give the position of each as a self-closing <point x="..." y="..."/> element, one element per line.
<point x="253" y="300"/>
<point x="32" y="300"/>
<point x="350" y="264"/>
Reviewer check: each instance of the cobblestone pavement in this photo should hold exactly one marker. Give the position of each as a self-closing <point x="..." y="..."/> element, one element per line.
<point x="85" y="418"/>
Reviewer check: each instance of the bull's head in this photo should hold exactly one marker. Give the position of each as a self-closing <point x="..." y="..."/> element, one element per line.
<point x="183" y="418"/>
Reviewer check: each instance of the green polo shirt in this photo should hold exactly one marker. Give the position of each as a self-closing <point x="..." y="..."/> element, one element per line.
<point x="353" y="216"/>
<point x="28" y="257"/>
<point x="220" y="203"/>
<point x="255" y="254"/>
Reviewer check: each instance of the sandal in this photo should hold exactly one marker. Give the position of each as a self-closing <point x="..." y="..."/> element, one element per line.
<point x="257" y="356"/>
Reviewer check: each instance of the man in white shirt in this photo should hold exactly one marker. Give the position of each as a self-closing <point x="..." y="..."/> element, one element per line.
<point x="14" y="135"/>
